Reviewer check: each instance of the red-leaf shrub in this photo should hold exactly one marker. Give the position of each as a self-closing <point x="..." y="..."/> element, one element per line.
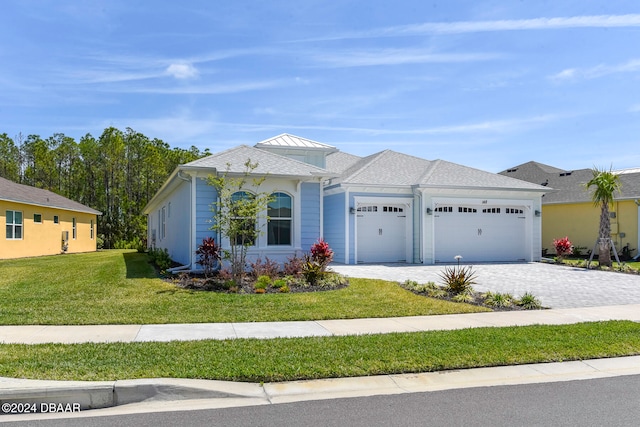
<point x="563" y="246"/>
<point x="321" y="253"/>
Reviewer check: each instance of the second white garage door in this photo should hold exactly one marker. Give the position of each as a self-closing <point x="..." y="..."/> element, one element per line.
<point x="381" y="232"/>
<point x="480" y="233"/>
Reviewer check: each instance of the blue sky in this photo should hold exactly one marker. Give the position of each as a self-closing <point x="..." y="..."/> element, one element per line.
<point x="487" y="84"/>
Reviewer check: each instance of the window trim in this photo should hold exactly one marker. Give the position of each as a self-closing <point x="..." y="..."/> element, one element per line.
<point x="255" y="220"/>
<point x="14" y="225"/>
<point x="74" y="228"/>
<point x="281" y="218"/>
<point x="91" y="230"/>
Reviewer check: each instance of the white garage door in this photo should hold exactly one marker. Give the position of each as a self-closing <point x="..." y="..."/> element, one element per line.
<point x="480" y="233"/>
<point x="382" y="235"/>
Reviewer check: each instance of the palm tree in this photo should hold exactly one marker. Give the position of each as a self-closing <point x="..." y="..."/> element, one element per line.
<point x="605" y="183"/>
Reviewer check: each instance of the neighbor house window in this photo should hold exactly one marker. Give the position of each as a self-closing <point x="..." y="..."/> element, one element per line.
<point x="91" y="229"/>
<point x="56" y="219"/>
<point x="73" y="228"/>
<point x="246" y="225"/>
<point x="14" y="225"/>
<point x="279" y="213"/>
<point x="37" y="218"/>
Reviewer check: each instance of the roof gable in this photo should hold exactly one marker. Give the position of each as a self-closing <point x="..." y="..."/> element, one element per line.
<point x="234" y="159"/>
<point x="20" y="193"/>
<point x="385" y="168"/>
<point x="287" y="140"/>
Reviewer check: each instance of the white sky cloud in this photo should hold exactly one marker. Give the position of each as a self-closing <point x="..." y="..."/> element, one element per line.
<point x="461" y="27"/>
<point x="598" y="71"/>
<point x="363" y="58"/>
<point x="182" y="71"/>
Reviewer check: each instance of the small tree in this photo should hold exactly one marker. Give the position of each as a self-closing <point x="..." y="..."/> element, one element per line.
<point x="236" y="213"/>
<point x="605" y="183"/>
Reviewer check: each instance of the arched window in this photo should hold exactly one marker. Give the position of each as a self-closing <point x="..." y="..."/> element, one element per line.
<point x="279" y="213"/>
<point x="244" y="226"/>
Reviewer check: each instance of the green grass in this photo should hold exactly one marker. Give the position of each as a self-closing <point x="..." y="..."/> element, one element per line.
<point x="322" y="357"/>
<point x="120" y="287"/>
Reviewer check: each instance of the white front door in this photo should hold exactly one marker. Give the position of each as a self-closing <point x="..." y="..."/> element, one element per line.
<point x="382" y="232"/>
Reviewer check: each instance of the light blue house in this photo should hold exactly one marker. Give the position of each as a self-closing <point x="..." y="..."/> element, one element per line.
<point x="387" y="207"/>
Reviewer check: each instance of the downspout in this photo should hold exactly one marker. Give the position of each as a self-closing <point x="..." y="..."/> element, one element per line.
<point x="190" y="180"/>
<point x="297" y="218"/>
<point x="346" y="228"/>
<point x="420" y="211"/>
<point x="321" y="183"/>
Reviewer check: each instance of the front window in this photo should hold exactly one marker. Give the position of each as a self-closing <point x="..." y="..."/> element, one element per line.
<point x="56" y="219"/>
<point x="279" y="213"/>
<point x="14" y="225"/>
<point x="243" y="229"/>
<point x="91" y="229"/>
<point x="73" y="228"/>
<point x="37" y="218"/>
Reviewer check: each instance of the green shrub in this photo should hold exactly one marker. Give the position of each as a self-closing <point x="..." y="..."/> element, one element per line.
<point x="279" y="283"/>
<point x="262" y="282"/>
<point x="458" y="279"/>
<point x="498" y="300"/>
<point x="160" y="257"/>
<point x="312" y="271"/>
<point x="466" y="297"/>
<point x="284" y="289"/>
<point x="529" y="302"/>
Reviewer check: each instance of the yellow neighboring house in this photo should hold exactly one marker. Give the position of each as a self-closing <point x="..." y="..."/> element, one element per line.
<point x="567" y="210"/>
<point x="39" y="222"/>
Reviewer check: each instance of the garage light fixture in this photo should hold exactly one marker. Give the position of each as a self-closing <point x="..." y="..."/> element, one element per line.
<point x="429" y="211"/>
<point x="352" y="211"/>
<point x="538" y="213"/>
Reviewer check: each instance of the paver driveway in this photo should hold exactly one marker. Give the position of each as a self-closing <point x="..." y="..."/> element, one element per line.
<point x="555" y="286"/>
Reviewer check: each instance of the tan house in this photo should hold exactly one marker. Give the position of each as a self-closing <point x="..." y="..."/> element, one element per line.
<point x="567" y="209"/>
<point x="39" y="222"/>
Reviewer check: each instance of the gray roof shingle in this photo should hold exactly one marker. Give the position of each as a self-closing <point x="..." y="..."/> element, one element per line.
<point x="569" y="185"/>
<point x="392" y="168"/>
<point x="269" y="163"/>
<point x="14" y="192"/>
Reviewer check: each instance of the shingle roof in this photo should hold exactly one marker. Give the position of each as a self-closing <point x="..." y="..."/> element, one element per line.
<point x="14" y="192"/>
<point x="291" y="141"/>
<point x="272" y="164"/>
<point x="447" y="174"/>
<point x="339" y="162"/>
<point x="385" y="168"/>
<point x="392" y="168"/>
<point x="570" y="185"/>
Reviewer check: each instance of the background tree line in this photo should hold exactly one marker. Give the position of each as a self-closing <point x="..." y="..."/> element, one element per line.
<point x="116" y="174"/>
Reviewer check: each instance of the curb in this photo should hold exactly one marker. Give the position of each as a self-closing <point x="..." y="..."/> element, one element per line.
<point x="157" y="394"/>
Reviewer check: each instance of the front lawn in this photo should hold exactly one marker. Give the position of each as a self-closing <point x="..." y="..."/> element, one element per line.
<point x="286" y="359"/>
<point x="121" y="287"/>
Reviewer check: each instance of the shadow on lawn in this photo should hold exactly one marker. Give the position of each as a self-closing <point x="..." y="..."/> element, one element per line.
<point x="138" y="266"/>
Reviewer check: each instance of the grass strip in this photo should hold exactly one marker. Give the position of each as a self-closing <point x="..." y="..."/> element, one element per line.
<point x="287" y="359"/>
<point x="121" y="287"/>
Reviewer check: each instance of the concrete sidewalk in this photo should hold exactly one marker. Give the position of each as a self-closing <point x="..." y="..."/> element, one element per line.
<point x="38" y="334"/>
<point x="154" y="395"/>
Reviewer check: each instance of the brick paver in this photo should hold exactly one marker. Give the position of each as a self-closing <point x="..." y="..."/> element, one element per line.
<point x="556" y="286"/>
